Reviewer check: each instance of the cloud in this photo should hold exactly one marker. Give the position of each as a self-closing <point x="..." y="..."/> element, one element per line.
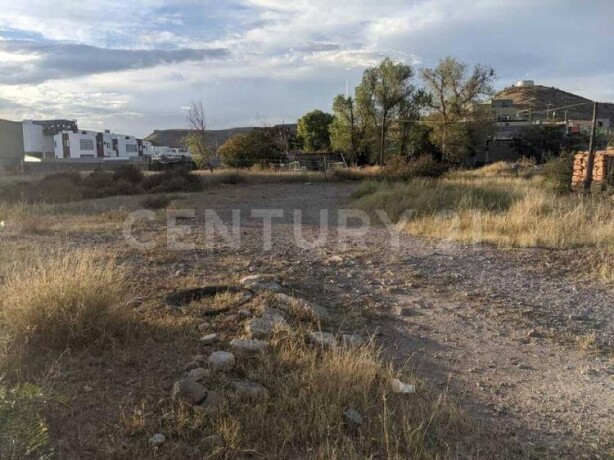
<point x="274" y="57"/>
<point x="51" y="61"/>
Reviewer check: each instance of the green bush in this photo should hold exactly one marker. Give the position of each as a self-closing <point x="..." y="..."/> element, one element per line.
<point x="156" y="202"/>
<point x="128" y="173"/>
<point x="397" y="168"/>
<point x="558" y="172"/>
<point x="173" y="180"/>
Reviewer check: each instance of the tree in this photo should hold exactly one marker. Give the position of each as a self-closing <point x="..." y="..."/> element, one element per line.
<point x="196" y="139"/>
<point x="539" y="141"/>
<point x="313" y="130"/>
<point x="348" y="130"/>
<point x="453" y="94"/>
<point x="384" y="92"/>
<point x="257" y="146"/>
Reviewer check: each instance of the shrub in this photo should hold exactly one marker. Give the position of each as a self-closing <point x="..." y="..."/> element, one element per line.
<point x="173" y="180"/>
<point x="156" y="202"/>
<point x="558" y="172"/>
<point x="423" y="166"/>
<point x="128" y="173"/>
<point x="65" y="300"/>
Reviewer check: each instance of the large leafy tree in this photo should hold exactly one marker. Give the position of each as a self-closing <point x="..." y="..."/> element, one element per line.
<point x="349" y="129"/>
<point x="387" y="95"/>
<point x="260" y="145"/>
<point x="453" y="94"/>
<point x="379" y="119"/>
<point x="313" y="130"/>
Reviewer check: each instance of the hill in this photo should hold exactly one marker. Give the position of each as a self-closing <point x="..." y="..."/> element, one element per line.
<point x="540" y="100"/>
<point x="216" y="137"/>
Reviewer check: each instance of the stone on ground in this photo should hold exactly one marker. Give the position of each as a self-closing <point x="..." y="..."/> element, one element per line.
<point x="251" y="389"/>
<point x="248" y="345"/>
<point x="212" y="401"/>
<point x="261" y="328"/>
<point x="209" y="339"/>
<point x="402" y="387"/>
<point x="261" y="283"/>
<point x="222" y="360"/>
<point x="198" y="374"/>
<point x="157" y="440"/>
<point x="353" y="418"/>
<point x="189" y="391"/>
<point x="324" y="339"/>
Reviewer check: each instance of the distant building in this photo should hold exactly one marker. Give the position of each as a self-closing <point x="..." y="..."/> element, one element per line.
<point x="11" y="145"/>
<point x="524" y="83"/>
<point x="105" y="145"/>
<point x="585" y="126"/>
<point x="497" y="110"/>
<point x="38" y="135"/>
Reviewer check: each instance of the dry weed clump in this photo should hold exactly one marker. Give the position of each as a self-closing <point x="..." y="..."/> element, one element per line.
<point x="303" y="417"/>
<point x="65" y="300"/>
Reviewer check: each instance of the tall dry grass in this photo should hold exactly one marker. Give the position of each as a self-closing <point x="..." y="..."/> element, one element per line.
<point x="73" y="299"/>
<point x="310" y="389"/>
<point x="501" y="205"/>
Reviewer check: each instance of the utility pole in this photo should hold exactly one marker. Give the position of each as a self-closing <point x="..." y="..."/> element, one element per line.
<point x="591" y="154"/>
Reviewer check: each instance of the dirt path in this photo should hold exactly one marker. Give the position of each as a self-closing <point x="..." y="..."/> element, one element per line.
<point x="492" y="326"/>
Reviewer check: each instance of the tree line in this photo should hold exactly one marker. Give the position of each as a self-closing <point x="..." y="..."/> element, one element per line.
<point x="395" y="112"/>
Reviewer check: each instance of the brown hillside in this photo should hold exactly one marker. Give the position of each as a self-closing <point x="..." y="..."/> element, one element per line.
<point x="216" y="137"/>
<point x="539" y="99"/>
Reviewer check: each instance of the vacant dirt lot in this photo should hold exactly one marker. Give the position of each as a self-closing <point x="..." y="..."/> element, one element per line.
<point x="524" y="346"/>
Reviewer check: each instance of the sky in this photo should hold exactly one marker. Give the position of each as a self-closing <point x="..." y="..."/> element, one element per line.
<point x="133" y="66"/>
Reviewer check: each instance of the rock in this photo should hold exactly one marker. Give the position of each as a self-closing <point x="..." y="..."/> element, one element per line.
<point x="189" y="391"/>
<point x="203" y="327"/>
<point x="401" y="387"/>
<point x="248" y="345"/>
<point x="352" y="340"/>
<point x="302" y="306"/>
<point x="212" y="401"/>
<point x="324" y="339"/>
<point x="87" y="389"/>
<point x="157" y="440"/>
<point x="251" y="389"/>
<point x="198" y="374"/>
<point x="260" y="283"/>
<point x="209" y="339"/>
<point x="353" y="418"/>
<point x="222" y="360"/>
<point x="264" y="327"/>
<point x="213" y="441"/>
<point x="335" y="259"/>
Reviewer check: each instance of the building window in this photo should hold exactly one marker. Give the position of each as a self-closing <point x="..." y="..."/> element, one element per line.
<point x="86" y="144"/>
<point x="131" y="148"/>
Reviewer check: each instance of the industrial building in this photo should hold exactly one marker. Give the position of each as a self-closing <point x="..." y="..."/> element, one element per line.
<point x="105" y="145"/>
<point x="11" y="145"/>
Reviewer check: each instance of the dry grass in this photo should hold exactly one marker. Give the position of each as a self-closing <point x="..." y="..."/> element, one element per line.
<point x="310" y="388"/>
<point x="65" y="300"/>
<point x="499" y="205"/>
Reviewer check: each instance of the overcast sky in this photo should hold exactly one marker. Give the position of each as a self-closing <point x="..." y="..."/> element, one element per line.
<point x="133" y="66"/>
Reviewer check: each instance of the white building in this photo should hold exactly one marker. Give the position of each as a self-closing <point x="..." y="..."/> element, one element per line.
<point x="38" y="135"/>
<point x="77" y="145"/>
<point x="106" y="145"/>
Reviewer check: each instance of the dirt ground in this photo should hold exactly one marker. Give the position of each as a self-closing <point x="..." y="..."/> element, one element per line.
<point x="521" y="343"/>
